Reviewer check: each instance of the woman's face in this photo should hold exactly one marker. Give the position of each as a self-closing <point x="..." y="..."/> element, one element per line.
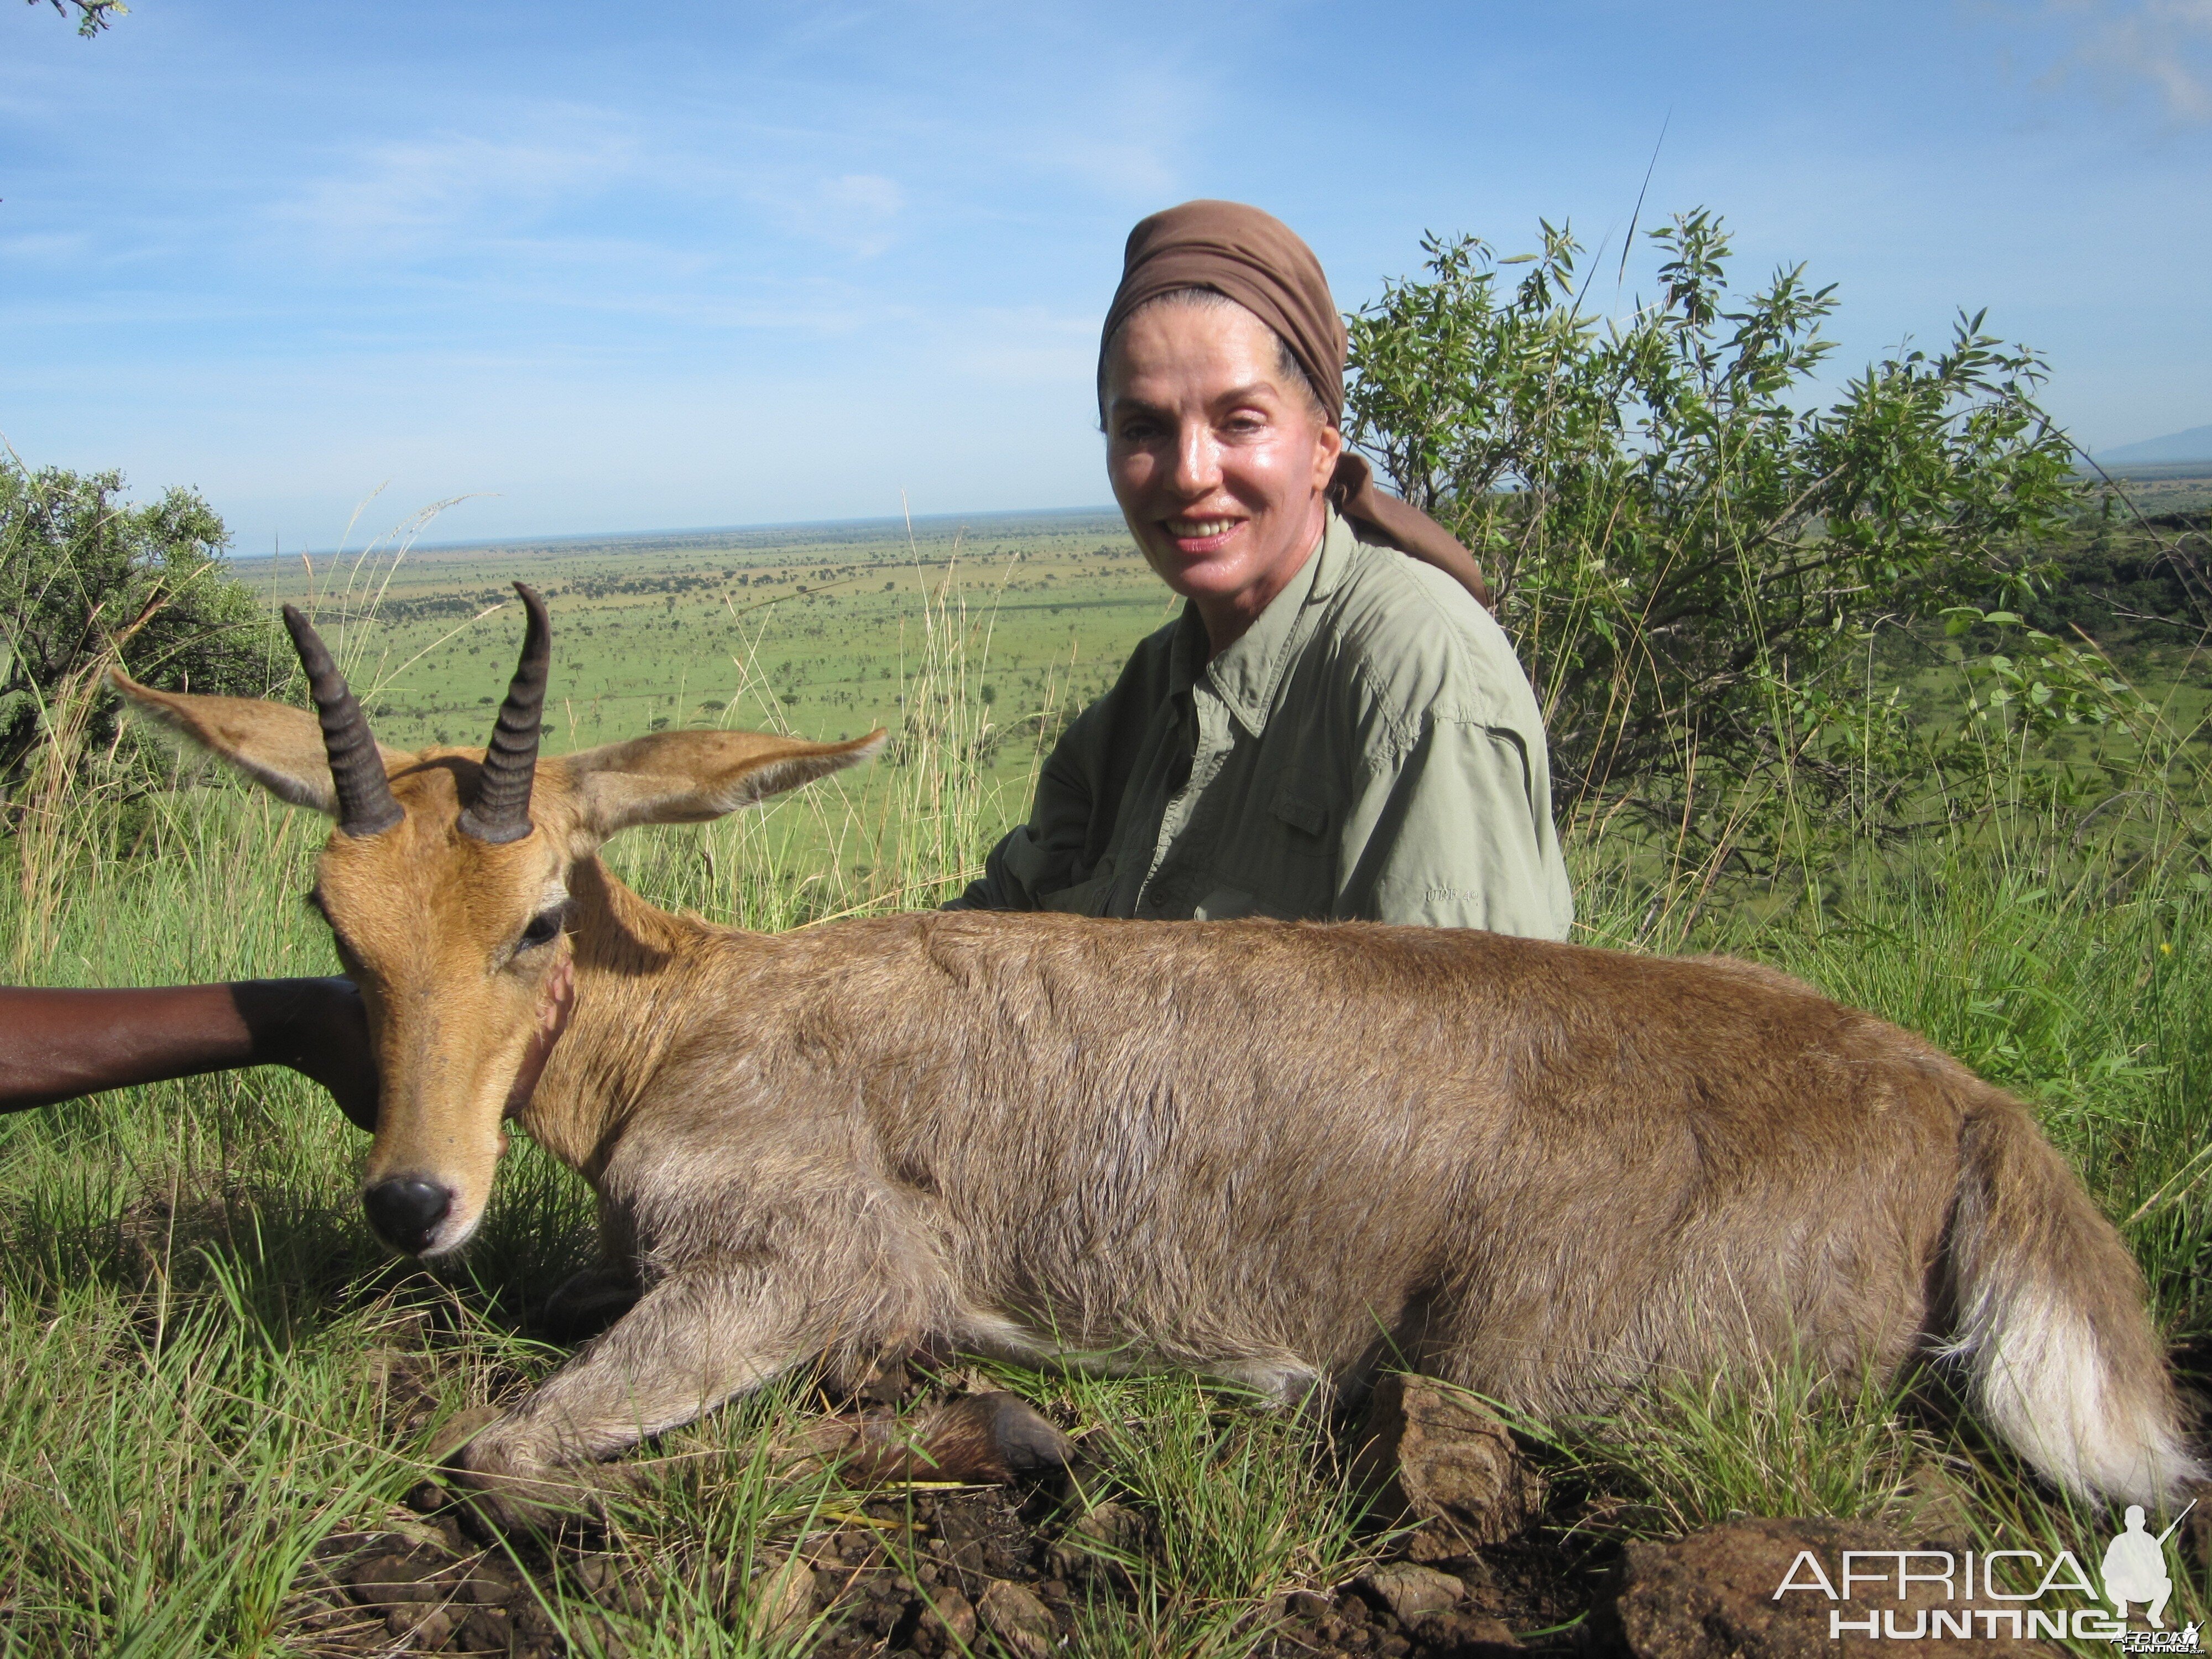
<point x="1218" y="466"/>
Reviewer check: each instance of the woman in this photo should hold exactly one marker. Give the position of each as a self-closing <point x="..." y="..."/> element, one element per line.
<point x="1334" y="727"/>
<point x="1331" y="729"/>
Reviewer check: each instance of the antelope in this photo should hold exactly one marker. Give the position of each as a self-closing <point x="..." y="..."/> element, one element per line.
<point x="1286" y="1155"/>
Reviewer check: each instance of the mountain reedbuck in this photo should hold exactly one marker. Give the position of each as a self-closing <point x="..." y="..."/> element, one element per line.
<point x="1283" y="1154"/>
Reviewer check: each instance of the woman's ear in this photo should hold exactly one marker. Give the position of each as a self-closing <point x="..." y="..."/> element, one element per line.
<point x="1328" y="450"/>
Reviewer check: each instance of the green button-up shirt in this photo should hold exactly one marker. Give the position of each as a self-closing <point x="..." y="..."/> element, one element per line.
<point x="1369" y="749"/>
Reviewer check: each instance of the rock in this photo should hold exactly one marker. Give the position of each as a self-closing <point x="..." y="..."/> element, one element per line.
<point x="965" y="1533"/>
<point x="949" y="1612"/>
<point x="1436" y="1455"/>
<point x="1023" y="1624"/>
<point x="1312" y="1606"/>
<point x="1108" y="1536"/>
<point x="1467" y="1635"/>
<point x="396" y="1578"/>
<point x="487" y="1583"/>
<point x="606" y="1641"/>
<point x="781" y="1595"/>
<point x="534" y="1628"/>
<point x="427" y="1626"/>
<point x="594" y="1572"/>
<point x="1711" y="1596"/>
<point x="486" y="1630"/>
<point x="1410" y="1591"/>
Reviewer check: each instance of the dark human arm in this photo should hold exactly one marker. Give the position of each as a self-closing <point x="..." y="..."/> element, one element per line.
<point x="58" y="1044"/>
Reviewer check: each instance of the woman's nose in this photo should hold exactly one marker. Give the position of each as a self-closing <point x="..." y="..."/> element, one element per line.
<point x="1197" y="460"/>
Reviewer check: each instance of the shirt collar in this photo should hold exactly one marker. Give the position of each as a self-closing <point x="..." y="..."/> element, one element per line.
<point x="1246" y="676"/>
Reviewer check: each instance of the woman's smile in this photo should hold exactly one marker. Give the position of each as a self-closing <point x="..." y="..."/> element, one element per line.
<point x="1198" y="537"/>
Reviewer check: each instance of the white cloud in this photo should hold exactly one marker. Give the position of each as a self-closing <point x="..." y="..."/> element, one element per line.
<point x="854" y="212"/>
<point x="411" y="193"/>
<point x="45" y="247"/>
<point x="2124" y="46"/>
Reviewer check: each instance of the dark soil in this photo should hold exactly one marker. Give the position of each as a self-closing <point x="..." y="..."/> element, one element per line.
<point x="909" y="1572"/>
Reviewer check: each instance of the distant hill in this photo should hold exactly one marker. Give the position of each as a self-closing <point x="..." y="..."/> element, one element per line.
<point x="2193" y="445"/>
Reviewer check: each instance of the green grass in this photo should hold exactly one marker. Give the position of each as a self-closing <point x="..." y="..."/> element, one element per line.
<point x="207" y="1372"/>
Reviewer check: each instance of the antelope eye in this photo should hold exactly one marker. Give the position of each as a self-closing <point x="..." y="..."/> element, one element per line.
<point x="544" y="927"/>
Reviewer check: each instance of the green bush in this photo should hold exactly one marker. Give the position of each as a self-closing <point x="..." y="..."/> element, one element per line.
<point x="86" y="580"/>
<point x="1690" y="559"/>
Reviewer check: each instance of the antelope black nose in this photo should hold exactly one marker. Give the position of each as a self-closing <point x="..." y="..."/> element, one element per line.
<point x="405" y="1210"/>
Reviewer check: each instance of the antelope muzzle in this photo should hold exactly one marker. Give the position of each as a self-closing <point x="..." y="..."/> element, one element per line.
<point x="405" y="1211"/>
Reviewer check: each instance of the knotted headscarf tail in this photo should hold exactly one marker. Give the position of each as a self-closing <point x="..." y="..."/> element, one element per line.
<point x="1260" y="262"/>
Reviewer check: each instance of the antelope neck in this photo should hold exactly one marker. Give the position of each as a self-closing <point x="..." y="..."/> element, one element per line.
<point x="628" y="975"/>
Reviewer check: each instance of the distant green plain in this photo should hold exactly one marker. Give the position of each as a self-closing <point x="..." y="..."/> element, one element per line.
<point x="816" y="630"/>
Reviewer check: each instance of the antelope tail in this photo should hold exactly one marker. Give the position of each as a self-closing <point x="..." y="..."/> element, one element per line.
<point x="2051" y="1320"/>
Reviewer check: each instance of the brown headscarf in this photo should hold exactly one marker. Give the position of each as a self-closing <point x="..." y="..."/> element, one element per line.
<point x="1259" y="261"/>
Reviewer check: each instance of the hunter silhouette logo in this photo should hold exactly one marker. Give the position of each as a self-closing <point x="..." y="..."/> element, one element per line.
<point x="2135" y="1571"/>
<point x="2135" y="1567"/>
<point x="1920" y="1594"/>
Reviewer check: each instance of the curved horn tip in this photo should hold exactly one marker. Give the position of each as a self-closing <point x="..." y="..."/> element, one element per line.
<point x="500" y="811"/>
<point x="533" y="603"/>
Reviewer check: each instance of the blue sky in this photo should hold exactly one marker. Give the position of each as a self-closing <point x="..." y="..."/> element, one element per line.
<point x="614" y="267"/>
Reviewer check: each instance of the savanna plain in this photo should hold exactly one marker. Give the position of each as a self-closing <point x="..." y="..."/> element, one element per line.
<point x="217" y="1393"/>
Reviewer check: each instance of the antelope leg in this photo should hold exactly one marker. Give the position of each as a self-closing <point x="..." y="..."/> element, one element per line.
<point x="691" y="1342"/>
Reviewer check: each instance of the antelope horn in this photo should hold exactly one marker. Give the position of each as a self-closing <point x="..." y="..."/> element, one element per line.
<point x="500" y="811"/>
<point x="365" y="804"/>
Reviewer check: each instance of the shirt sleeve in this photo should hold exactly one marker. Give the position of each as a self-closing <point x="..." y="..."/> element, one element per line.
<point x="1044" y="856"/>
<point x="1449" y="832"/>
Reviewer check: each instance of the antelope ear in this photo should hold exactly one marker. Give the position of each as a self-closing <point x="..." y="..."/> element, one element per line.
<point x="689" y="777"/>
<point x="279" y="747"/>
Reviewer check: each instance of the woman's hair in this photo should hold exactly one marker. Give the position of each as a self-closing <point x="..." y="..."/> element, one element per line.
<point x="1211" y="298"/>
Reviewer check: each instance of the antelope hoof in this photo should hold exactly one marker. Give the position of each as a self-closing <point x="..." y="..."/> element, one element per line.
<point x="988" y="1438"/>
<point x="512" y="1493"/>
<point x="544" y="1499"/>
<point x="1023" y="1440"/>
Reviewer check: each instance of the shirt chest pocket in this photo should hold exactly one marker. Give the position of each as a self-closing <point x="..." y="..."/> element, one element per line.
<point x="1282" y="861"/>
<point x="1303" y="811"/>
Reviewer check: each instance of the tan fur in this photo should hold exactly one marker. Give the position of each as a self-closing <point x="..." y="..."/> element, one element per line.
<point x="1285" y="1154"/>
